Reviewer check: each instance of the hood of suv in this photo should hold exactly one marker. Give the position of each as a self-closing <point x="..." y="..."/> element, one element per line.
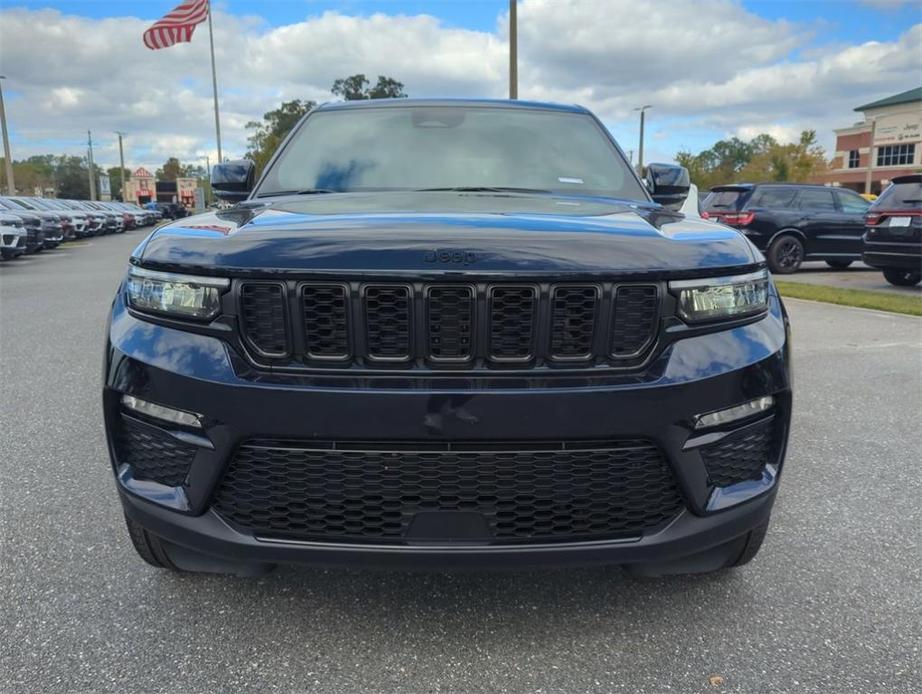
<point x="444" y="233"/>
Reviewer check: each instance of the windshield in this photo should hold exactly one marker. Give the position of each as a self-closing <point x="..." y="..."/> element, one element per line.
<point x="900" y="196"/>
<point x="23" y="203"/>
<point x="413" y="148"/>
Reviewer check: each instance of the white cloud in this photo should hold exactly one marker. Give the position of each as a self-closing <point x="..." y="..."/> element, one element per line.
<point x="709" y="66"/>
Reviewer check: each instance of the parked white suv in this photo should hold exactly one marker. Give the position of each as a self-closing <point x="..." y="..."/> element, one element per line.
<point x="12" y="236"/>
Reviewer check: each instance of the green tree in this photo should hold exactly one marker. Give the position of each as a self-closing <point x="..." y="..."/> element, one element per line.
<point x="762" y="158"/>
<point x="72" y="177"/>
<point x="115" y="181"/>
<point x="357" y="87"/>
<point x="171" y="170"/>
<point x="267" y="134"/>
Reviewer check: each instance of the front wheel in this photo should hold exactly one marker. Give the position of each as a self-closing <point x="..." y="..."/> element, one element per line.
<point x="785" y="255"/>
<point x="838" y="264"/>
<point x="902" y="278"/>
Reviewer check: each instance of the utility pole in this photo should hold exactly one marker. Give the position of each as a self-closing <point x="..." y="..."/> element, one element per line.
<point x="513" y="52"/>
<point x="121" y="171"/>
<point x="7" y="157"/>
<point x="208" y="172"/>
<point x="642" y="110"/>
<point x="91" y="164"/>
<point x="869" y="177"/>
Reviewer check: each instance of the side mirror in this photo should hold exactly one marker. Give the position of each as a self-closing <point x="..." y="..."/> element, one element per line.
<point x="668" y="183"/>
<point x="233" y="180"/>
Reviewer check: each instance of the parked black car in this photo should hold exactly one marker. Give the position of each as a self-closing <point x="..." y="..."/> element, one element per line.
<point x="455" y="333"/>
<point x="893" y="241"/>
<point x="791" y="223"/>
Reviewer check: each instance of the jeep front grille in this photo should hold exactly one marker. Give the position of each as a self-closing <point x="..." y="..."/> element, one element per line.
<point x="448" y="325"/>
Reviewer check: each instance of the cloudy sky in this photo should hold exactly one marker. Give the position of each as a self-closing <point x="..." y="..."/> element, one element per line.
<point x="710" y="68"/>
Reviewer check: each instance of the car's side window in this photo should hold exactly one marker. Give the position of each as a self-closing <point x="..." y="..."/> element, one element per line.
<point x="853" y="204"/>
<point x="820" y="200"/>
<point x="775" y="196"/>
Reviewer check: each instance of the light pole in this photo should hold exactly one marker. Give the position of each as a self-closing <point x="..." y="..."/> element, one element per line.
<point x="869" y="178"/>
<point x="8" y="158"/>
<point x="121" y="171"/>
<point x="91" y="165"/>
<point x="642" y="110"/>
<point x="513" y="51"/>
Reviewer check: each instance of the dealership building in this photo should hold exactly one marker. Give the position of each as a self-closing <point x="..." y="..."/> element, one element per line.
<point x="142" y="188"/>
<point x="886" y="143"/>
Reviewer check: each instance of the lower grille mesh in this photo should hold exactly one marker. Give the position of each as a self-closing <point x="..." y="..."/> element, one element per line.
<point x="372" y="493"/>
<point x="739" y="457"/>
<point x="153" y="455"/>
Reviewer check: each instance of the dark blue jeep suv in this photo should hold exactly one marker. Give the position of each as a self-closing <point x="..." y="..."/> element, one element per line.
<point x="447" y="333"/>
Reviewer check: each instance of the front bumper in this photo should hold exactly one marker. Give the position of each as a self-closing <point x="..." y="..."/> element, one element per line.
<point x="202" y="374"/>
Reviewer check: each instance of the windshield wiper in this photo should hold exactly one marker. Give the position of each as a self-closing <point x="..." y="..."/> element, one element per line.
<point x="303" y="191"/>
<point x="481" y="189"/>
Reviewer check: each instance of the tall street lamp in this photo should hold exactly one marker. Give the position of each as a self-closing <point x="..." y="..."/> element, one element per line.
<point x="642" y="110"/>
<point x="8" y="158"/>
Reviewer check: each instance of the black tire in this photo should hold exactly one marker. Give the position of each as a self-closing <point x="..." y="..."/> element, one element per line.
<point x="838" y="264"/>
<point x="751" y="547"/>
<point x="785" y="255"/>
<point x="149" y="546"/>
<point x="902" y="278"/>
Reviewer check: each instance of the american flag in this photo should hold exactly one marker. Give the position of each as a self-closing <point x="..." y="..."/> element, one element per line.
<point x="177" y="25"/>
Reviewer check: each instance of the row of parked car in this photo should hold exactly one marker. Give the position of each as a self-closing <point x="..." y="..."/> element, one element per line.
<point x="31" y="225"/>
<point x="791" y="223"/>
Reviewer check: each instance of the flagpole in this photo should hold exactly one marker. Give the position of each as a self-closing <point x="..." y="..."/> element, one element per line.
<point x="214" y="84"/>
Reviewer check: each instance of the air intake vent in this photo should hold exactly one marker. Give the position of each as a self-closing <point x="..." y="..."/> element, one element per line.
<point x="512" y="323"/>
<point x="573" y="322"/>
<point x="387" y="322"/>
<point x="451" y="322"/>
<point x="326" y="323"/>
<point x="264" y="318"/>
<point x="634" y="320"/>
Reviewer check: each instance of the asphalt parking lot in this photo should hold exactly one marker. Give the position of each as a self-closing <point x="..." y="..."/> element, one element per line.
<point x="856" y="276"/>
<point x="832" y="604"/>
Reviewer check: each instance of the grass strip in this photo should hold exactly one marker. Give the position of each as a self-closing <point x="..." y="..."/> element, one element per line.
<point x="862" y="298"/>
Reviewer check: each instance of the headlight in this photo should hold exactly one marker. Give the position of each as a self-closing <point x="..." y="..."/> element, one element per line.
<point x="183" y="296"/>
<point x="717" y="298"/>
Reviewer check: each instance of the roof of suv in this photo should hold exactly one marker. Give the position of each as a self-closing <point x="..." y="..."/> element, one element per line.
<point x="488" y="103"/>
<point x="750" y="186"/>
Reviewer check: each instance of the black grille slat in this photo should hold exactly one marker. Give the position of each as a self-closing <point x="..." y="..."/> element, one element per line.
<point x="264" y="318"/>
<point x="387" y="322"/>
<point x="573" y="320"/>
<point x="451" y="322"/>
<point x="153" y="455"/>
<point x="326" y="325"/>
<point x="740" y="456"/>
<point x="636" y="309"/>
<point x="349" y="324"/>
<point x="341" y="492"/>
<point x="512" y="323"/>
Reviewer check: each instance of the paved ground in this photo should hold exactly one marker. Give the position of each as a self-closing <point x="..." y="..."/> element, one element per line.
<point x="832" y="604"/>
<point x="857" y="276"/>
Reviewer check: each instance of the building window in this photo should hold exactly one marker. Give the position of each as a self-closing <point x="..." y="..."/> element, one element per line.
<point x="853" y="159"/>
<point x="896" y="155"/>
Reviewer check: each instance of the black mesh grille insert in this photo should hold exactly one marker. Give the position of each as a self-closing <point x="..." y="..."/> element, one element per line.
<point x="573" y="321"/>
<point x="263" y="318"/>
<point x="153" y="455"/>
<point x="451" y="322"/>
<point x="740" y="456"/>
<point x="387" y="321"/>
<point x="445" y="325"/>
<point x="371" y="493"/>
<point x="325" y="321"/>
<point x="512" y="323"/>
<point x="634" y="320"/>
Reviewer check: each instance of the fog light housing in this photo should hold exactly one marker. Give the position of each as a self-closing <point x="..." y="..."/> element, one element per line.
<point x="732" y="414"/>
<point x="166" y="414"/>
